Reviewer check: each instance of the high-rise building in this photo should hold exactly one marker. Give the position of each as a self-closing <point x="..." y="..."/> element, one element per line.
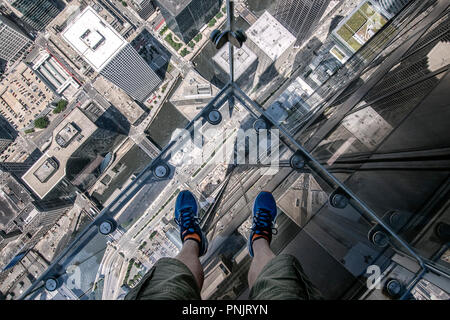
<point x="13" y="42"/>
<point x="111" y="55"/>
<point x="187" y="17"/>
<point x="5" y="139"/>
<point x="145" y="8"/>
<point x="49" y="171"/>
<point x="23" y="217"/>
<point x="15" y="168"/>
<point x="38" y="13"/>
<point x="300" y="16"/>
<point x="131" y="73"/>
<point x="391" y="7"/>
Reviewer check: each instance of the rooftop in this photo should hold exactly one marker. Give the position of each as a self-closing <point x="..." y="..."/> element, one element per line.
<point x="243" y="59"/>
<point x="44" y="175"/>
<point x="270" y="36"/>
<point x="65" y="136"/>
<point x="360" y="26"/>
<point x="93" y="38"/>
<point x="49" y="68"/>
<point x="193" y="92"/>
<point x="46" y="170"/>
<point x="13" y="198"/>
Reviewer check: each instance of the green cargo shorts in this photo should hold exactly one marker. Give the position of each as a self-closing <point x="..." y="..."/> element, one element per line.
<point x="281" y="279"/>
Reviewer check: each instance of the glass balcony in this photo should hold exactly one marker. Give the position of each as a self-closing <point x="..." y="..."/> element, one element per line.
<point x="336" y="148"/>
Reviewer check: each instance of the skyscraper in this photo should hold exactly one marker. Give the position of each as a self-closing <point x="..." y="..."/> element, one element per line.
<point x="145" y="8"/>
<point x="187" y="17"/>
<point x="13" y="42"/>
<point x="131" y="73"/>
<point x="396" y="116"/>
<point x="111" y="55"/>
<point x="300" y="16"/>
<point x="392" y="7"/>
<point x="17" y="169"/>
<point x="5" y="139"/>
<point x="24" y="217"/>
<point x="38" y="13"/>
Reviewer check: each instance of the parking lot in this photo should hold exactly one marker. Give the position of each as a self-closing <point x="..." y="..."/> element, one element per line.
<point x="23" y="97"/>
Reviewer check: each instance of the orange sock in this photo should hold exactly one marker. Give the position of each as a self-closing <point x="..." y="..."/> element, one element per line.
<point x="193" y="236"/>
<point x="257" y="236"/>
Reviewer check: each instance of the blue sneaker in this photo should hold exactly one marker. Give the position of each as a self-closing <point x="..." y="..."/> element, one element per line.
<point x="186" y="216"/>
<point x="264" y="215"/>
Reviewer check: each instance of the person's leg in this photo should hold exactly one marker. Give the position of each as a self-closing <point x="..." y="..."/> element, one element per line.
<point x="264" y="215"/>
<point x="179" y="278"/>
<point x="189" y="255"/>
<point x="194" y="241"/>
<point x="273" y="277"/>
<point x="262" y="256"/>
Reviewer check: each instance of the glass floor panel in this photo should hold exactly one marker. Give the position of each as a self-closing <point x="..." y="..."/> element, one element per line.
<point x="237" y="146"/>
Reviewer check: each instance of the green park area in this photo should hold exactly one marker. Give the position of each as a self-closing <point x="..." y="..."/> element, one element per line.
<point x="198" y="37"/>
<point x="184" y="52"/>
<point x="41" y="123"/>
<point x="61" y="106"/>
<point x="163" y="30"/>
<point x="176" y="45"/>
<point x="356" y="21"/>
<point x="212" y="22"/>
<point x="361" y="26"/>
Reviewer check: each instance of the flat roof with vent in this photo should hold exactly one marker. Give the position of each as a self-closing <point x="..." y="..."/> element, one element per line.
<point x="93" y="38"/>
<point x="66" y="135"/>
<point x="243" y="60"/>
<point x="46" y="170"/>
<point x="270" y="36"/>
<point x="50" y="169"/>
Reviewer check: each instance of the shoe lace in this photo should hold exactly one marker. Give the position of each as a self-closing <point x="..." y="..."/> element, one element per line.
<point x="263" y="221"/>
<point x="187" y="219"/>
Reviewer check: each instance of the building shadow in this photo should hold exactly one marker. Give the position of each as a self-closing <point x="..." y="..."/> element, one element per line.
<point x="3" y="64"/>
<point x="334" y="23"/>
<point x="153" y="52"/>
<point x="267" y="76"/>
<point x="6" y="128"/>
<point x="113" y="120"/>
<point x="208" y="69"/>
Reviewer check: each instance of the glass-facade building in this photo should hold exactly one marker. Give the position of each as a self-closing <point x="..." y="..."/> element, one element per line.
<point x="300" y="17"/>
<point x="187" y="17"/>
<point x="392" y="6"/>
<point x="145" y="8"/>
<point x="131" y="73"/>
<point x="38" y="13"/>
<point x="13" y="42"/>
